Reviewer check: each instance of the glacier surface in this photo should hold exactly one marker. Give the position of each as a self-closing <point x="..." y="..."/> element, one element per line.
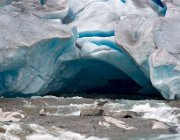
<point x="76" y="45"/>
<point x="153" y="43"/>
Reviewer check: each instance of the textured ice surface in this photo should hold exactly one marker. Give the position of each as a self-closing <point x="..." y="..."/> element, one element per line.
<point x="173" y="8"/>
<point x="30" y="48"/>
<point x="164" y="62"/>
<point x="87" y="16"/>
<point x="133" y="36"/>
<point x="154" y="44"/>
<point x="165" y="73"/>
<point x="71" y="45"/>
<point x="54" y="9"/>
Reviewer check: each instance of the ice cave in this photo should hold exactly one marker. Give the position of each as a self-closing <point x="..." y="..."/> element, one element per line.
<point x="89" y="46"/>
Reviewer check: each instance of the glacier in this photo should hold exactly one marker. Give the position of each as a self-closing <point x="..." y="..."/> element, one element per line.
<point x="153" y="43"/>
<point x="57" y="46"/>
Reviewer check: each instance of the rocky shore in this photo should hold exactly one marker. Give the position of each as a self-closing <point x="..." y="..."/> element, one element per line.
<point x="91" y="119"/>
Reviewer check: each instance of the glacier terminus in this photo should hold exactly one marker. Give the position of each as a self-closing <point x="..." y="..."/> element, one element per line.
<point x="56" y="46"/>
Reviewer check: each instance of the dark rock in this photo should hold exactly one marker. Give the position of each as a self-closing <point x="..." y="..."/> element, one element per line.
<point x="102" y="103"/>
<point x="2" y="130"/>
<point x="91" y="112"/>
<point x="173" y="130"/>
<point x="125" y="114"/>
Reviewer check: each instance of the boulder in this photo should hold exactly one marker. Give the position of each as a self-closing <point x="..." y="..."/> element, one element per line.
<point x="91" y="112"/>
<point x="125" y="114"/>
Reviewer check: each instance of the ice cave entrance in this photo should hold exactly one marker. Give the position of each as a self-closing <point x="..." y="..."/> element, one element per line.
<point x="99" y="79"/>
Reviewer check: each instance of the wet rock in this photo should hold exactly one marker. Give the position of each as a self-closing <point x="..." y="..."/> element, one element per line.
<point x="125" y="114"/>
<point x="104" y="124"/>
<point x="174" y="103"/>
<point x="2" y="130"/>
<point x="118" y="123"/>
<point x="26" y="130"/>
<point x="42" y="112"/>
<point x="102" y="103"/>
<point x="11" y="116"/>
<point x="173" y="130"/>
<point x="91" y="112"/>
<point x="160" y="125"/>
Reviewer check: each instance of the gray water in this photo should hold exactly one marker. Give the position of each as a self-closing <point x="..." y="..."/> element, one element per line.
<point x="20" y="119"/>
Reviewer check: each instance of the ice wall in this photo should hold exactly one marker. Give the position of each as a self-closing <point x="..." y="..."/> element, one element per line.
<point x="154" y="45"/>
<point x="76" y="45"/>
